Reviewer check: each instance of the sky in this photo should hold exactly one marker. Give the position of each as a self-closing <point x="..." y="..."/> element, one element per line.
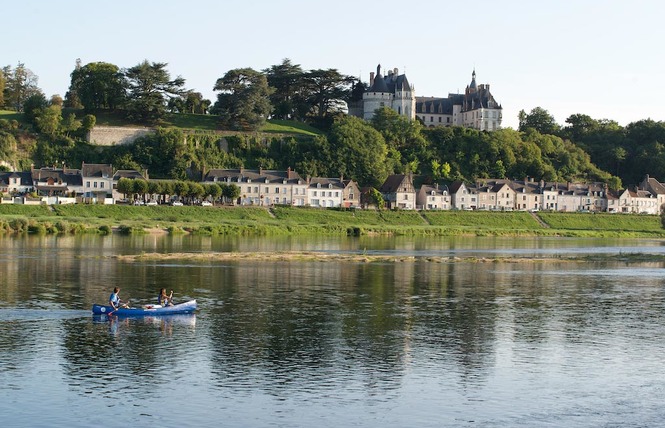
<point x="602" y="58"/>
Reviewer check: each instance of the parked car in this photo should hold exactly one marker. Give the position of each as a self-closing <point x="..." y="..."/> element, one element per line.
<point x="151" y="203"/>
<point x="176" y="203"/>
<point x="206" y="204"/>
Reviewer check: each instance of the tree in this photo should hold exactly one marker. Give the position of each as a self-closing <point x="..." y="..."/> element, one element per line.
<point x="2" y="88"/>
<point x="327" y="91"/>
<point x="243" y="101"/>
<point x="48" y="120"/>
<point x="34" y="106"/>
<point x="149" y="84"/>
<point x="20" y="84"/>
<point x="377" y="198"/>
<point x="141" y="187"/>
<point x="359" y="152"/>
<point x="287" y="80"/>
<point x="540" y="120"/>
<point x="125" y="186"/>
<point x="97" y="86"/>
<point x="404" y="136"/>
<point x="88" y="122"/>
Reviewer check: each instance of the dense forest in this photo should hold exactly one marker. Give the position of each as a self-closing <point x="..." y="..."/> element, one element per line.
<point x="44" y="132"/>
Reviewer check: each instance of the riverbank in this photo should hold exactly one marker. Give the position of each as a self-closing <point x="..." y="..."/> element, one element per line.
<point x="253" y="221"/>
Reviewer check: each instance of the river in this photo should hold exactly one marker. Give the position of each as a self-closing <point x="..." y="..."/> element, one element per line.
<point x="311" y="343"/>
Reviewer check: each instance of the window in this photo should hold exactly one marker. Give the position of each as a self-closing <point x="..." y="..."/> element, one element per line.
<point x="249" y="189"/>
<point x="315" y="193"/>
<point x="439" y="119"/>
<point x="101" y="185"/>
<point x="94" y="184"/>
<point x="87" y="184"/>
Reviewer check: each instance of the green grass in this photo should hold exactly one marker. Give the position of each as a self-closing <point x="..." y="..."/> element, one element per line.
<point x="204" y="122"/>
<point x="305" y="220"/>
<point x="602" y="222"/>
<point x="318" y="216"/>
<point x="203" y="215"/>
<point x="483" y="219"/>
<point x="11" y="115"/>
<point x="25" y="210"/>
<point x="289" y="127"/>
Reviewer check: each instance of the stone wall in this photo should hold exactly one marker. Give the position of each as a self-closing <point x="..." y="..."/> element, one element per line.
<point x="115" y="135"/>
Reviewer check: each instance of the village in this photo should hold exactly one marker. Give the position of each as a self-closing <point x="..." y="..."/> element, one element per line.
<point x="98" y="184"/>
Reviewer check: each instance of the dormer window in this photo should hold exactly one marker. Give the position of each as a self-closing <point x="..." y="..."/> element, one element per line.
<point x="330" y="186"/>
<point x="318" y="185"/>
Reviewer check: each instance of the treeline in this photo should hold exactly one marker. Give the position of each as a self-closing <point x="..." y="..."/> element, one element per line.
<point x="146" y="91"/>
<point x="585" y="149"/>
<point x="188" y="190"/>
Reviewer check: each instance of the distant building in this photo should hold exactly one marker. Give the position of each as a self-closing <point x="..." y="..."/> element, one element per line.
<point x="392" y="91"/>
<point x="476" y="109"/>
<point x="398" y="192"/>
<point x="263" y="187"/>
<point x="332" y="193"/>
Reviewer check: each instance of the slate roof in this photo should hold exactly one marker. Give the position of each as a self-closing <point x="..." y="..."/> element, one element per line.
<point x="127" y="173"/>
<point x="391" y="83"/>
<point x="252" y="175"/>
<point x="97" y="170"/>
<point x="393" y="183"/>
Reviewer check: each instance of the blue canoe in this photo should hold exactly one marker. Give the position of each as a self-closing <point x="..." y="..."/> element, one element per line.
<point x="182" y="308"/>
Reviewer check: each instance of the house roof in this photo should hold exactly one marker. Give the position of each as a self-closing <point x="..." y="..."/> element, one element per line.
<point x="97" y="170"/>
<point x="394" y="182"/>
<point x="127" y="173"/>
<point x="246" y="175"/>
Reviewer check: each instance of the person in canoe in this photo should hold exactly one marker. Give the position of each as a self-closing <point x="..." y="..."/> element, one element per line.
<point x="114" y="300"/>
<point x="163" y="299"/>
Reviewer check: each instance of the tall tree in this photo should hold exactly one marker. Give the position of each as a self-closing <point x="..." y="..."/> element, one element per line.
<point x="287" y="80"/>
<point x="2" y="88"/>
<point x="149" y="84"/>
<point x="20" y="84"/>
<point x="327" y="90"/>
<point x="97" y="86"/>
<point x="540" y="120"/>
<point x="243" y="101"/>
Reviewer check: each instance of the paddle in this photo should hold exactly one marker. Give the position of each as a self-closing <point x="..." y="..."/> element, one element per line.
<point x="125" y="305"/>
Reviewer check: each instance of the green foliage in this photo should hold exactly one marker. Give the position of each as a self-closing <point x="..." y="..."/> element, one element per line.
<point x="148" y="85"/>
<point x="20" y="83"/>
<point x="358" y="151"/>
<point x="243" y="102"/>
<point x="34" y="106"/>
<point x="97" y="86"/>
<point x="539" y="120"/>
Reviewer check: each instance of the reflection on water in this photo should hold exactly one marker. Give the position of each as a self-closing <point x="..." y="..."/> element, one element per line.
<point x="310" y="343"/>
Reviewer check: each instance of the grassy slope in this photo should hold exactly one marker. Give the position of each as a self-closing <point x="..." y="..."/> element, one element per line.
<point x="289" y="220"/>
<point x="203" y="122"/>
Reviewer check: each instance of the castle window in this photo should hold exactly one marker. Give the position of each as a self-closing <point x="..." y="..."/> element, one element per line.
<point x="439" y="119"/>
<point x="431" y="118"/>
<point x="399" y="110"/>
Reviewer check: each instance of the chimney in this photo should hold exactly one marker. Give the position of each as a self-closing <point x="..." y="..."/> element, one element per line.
<point x="371" y="79"/>
<point x="260" y="170"/>
<point x="289" y="174"/>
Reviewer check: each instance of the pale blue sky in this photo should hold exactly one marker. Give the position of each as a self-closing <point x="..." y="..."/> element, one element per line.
<point x="601" y="58"/>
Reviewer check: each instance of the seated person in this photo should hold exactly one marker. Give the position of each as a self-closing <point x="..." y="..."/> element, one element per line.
<point x="114" y="300"/>
<point x="163" y="299"/>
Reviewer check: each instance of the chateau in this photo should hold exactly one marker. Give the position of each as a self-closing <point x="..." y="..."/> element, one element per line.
<point x="476" y="108"/>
